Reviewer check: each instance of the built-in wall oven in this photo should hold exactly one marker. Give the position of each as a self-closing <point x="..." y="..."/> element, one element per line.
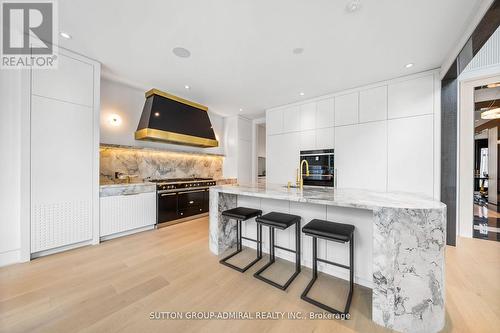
<point x="178" y="199"/>
<point x="321" y="167"/>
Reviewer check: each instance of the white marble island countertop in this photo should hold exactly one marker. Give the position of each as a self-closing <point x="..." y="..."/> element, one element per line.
<point x="353" y="198"/>
<point x="402" y="240"/>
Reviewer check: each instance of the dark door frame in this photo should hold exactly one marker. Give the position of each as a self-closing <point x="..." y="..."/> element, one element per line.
<point x="449" y="115"/>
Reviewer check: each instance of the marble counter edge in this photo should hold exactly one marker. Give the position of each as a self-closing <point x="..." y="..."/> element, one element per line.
<point x="278" y="193"/>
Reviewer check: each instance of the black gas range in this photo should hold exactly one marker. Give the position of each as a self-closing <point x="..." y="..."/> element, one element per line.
<point x="181" y="198"/>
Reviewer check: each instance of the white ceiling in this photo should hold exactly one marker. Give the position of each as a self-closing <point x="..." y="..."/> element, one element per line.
<point x="241" y="50"/>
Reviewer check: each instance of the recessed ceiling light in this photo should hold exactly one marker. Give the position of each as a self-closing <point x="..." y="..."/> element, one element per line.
<point x="157" y="114"/>
<point x="353" y="6"/>
<point x="410" y="65"/>
<point x="65" y="35"/>
<point x="181" y="52"/>
<point x="298" y="50"/>
<point x="301" y="93"/>
<point x="187" y="87"/>
<point x="241" y="109"/>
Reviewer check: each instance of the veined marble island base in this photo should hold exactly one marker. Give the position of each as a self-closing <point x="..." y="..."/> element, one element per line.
<point x="399" y="244"/>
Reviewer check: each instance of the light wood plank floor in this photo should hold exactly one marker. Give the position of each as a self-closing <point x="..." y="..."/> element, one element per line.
<point x="114" y="286"/>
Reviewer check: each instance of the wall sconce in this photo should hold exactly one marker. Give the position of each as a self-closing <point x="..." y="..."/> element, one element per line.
<point x="115" y="120"/>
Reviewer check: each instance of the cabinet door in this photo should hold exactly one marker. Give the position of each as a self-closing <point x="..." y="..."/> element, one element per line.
<point x="373" y="104"/>
<point x="244" y="162"/>
<point x="411" y="97"/>
<point x="291" y="119"/>
<point x="61" y="173"/>
<point x="307" y="140"/>
<point x="325" y="138"/>
<point x="308" y="116"/>
<point x="282" y="158"/>
<point x="274" y="122"/>
<point x="346" y="109"/>
<point x="361" y="156"/>
<point x="72" y="81"/>
<point x="410" y="155"/>
<point x="127" y="212"/>
<point x="325" y="113"/>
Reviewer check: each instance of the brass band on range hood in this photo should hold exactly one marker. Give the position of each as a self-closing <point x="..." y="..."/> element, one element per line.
<point x="176" y="138"/>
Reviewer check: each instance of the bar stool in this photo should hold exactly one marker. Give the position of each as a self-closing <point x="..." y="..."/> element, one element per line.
<point x="243" y="214"/>
<point x="280" y="221"/>
<point x="331" y="231"/>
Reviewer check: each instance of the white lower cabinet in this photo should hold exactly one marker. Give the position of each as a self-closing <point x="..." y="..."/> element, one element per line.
<point x="122" y="213"/>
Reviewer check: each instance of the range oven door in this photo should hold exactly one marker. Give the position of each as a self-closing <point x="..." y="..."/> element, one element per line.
<point x="191" y="202"/>
<point x="167" y="207"/>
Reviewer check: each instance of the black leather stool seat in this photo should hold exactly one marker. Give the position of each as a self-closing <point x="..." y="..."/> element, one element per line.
<point x="331" y="230"/>
<point x="278" y="220"/>
<point x="242" y="213"/>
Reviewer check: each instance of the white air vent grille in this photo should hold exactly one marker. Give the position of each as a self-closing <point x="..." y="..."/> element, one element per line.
<point x="59" y="224"/>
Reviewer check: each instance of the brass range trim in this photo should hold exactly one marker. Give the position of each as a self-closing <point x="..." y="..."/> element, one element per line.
<point x="172" y="137"/>
<point x="175" y="98"/>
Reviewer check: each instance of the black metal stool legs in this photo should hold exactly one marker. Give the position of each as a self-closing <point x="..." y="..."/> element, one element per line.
<point x="239" y="248"/>
<point x="272" y="258"/>
<point x="315" y="276"/>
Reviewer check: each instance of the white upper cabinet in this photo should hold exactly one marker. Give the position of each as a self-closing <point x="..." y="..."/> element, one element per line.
<point x="308" y="116"/>
<point x="411" y="97"/>
<point x="274" y="121"/>
<point x="307" y="140"/>
<point x="291" y="119"/>
<point x="410" y="155"/>
<point x="346" y="109"/>
<point x="325" y="138"/>
<point x="72" y="81"/>
<point x="361" y="156"/>
<point x="325" y="113"/>
<point x="373" y="104"/>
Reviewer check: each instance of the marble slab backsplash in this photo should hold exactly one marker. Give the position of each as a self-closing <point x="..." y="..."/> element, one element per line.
<point x="147" y="163"/>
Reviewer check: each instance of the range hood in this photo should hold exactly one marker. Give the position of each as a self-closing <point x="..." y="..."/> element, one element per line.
<point x="168" y="118"/>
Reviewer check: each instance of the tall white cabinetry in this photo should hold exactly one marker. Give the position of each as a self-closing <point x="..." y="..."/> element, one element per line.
<point x="64" y="154"/>
<point x="238" y="148"/>
<point x="385" y="136"/>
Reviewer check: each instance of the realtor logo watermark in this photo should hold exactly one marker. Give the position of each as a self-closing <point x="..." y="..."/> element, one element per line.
<point x="29" y="34"/>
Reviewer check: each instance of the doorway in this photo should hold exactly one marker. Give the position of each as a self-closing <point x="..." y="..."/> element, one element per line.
<point x="478" y="179"/>
<point x="486" y="214"/>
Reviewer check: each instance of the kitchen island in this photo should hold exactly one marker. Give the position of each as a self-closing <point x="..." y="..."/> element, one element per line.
<point x="399" y="243"/>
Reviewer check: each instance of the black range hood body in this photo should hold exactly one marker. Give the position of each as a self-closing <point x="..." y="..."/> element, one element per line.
<point x="171" y="119"/>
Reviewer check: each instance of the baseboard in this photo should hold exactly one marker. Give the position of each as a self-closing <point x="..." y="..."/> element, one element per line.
<point x="60" y="249"/>
<point x="128" y="232"/>
<point x="10" y="257"/>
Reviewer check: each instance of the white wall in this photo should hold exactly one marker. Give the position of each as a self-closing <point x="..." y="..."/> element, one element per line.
<point x="127" y="102"/>
<point x="10" y="174"/>
<point x="386" y="135"/>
